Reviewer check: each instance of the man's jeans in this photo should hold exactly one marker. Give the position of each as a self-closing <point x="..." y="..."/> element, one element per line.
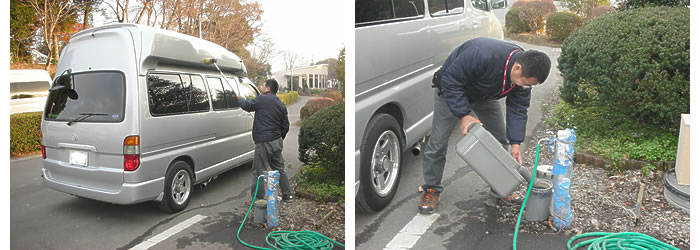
<point x="489" y="112"/>
<point x="269" y="154"/>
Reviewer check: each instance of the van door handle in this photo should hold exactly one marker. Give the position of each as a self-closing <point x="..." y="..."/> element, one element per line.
<point x="475" y="22"/>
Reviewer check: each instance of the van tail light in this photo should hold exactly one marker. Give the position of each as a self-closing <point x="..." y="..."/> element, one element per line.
<point x="41" y="142"/>
<point x="132" y="153"/>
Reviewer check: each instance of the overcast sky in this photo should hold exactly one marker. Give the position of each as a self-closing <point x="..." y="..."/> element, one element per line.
<point x="311" y="28"/>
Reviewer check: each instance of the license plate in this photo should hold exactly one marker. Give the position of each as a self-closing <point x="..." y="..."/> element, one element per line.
<point x="78" y="158"/>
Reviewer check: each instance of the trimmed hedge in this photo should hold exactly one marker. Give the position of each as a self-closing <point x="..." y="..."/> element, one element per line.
<point x="288" y="98"/>
<point x="513" y="22"/>
<point x="633" y="65"/>
<point x="561" y="24"/>
<point x="322" y="142"/>
<point x="314" y="105"/>
<point x="25" y="129"/>
<point x="333" y="94"/>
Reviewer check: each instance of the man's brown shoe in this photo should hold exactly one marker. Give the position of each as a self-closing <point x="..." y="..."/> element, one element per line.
<point x="429" y="201"/>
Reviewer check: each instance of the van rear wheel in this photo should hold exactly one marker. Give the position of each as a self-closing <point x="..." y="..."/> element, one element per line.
<point x="380" y="166"/>
<point x="178" y="187"/>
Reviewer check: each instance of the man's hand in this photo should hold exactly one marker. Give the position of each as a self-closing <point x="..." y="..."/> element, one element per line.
<point x="515" y="152"/>
<point x="239" y="97"/>
<point x="465" y="122"/>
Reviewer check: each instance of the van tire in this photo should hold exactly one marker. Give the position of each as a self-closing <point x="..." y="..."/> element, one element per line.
<point x="181" y="173"/>
<point x="383" y="129"/>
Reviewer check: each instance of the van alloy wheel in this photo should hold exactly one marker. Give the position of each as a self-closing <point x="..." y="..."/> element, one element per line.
<point x="177" y="187"/>
<point x="385" y="163"/>
<point x="380" y="163"/>
<point x="181" y="187"/>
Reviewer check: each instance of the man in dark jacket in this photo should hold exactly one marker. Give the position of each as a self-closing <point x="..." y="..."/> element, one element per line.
<point x="270" y="127"/>
<point x="473" y="78"/>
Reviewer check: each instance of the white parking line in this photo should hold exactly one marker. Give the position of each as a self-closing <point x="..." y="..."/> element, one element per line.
<point x="411" y="233"/>
<point x="167" y="233"/>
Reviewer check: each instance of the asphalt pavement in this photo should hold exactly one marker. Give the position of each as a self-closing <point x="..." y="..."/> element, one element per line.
<point x="42" y="218"/>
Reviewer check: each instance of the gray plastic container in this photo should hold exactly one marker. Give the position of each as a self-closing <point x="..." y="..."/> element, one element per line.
<point x="540" y="201"/>
<point x="487" y="157"/>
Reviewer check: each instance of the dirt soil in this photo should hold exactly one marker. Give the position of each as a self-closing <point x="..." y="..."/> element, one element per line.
<point x="603" y="202"/>
<point x="302" y="214"/>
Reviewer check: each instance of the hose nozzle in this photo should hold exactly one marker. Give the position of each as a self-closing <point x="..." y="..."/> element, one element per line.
<point x="209" y="60"/>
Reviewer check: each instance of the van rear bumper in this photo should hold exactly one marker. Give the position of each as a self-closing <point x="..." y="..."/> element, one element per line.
<point x="130" y="193"/>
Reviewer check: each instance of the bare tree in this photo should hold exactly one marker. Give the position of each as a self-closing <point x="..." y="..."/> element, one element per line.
<point x="51" y="13"/>
<point x="290" y="59"/>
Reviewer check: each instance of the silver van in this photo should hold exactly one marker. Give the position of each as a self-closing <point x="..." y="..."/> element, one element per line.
<point x="399" y="44"/>
<point x="134" y="114"/>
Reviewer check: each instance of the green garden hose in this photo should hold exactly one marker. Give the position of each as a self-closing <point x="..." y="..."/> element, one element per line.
<point x="289" y="239"/>
<point x="611" y="241"/>
<point x="529" y="188"/>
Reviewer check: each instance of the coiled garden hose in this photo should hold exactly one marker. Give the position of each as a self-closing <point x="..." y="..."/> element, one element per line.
<point x="623" y="240"/>
<point x="289" y="239"/>
<point x="605" y="240"/>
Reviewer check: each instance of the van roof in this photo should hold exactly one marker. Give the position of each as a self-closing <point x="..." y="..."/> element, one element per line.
<point x="165" y="45"/>
<point x="29" y="75"/>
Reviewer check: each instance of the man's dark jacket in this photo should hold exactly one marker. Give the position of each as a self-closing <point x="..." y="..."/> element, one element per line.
<point x="474" y="72"/>
<point x="271" y="121"/>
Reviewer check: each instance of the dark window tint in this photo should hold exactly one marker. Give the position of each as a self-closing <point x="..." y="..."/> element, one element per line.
<point x="97" y="92"/>
<point x="443" y="7"/>
<point x="437" y="7"/>
<point x="455" y="6"/>
<point x="218" y="98"/>
<point x="166" y="94"/>
<point x="229" y="84"/>
<point x="197" y="99"/>
<point x="481" y="4"/>
<point x="408" y="8"/>
<point x="372" y="11"/>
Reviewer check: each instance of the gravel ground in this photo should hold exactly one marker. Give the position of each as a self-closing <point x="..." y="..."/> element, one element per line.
<point x="605" y="203"/>
<point x="302" y="214"/>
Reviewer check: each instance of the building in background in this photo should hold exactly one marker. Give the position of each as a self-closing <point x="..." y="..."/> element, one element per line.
<point x="314" y="76"/>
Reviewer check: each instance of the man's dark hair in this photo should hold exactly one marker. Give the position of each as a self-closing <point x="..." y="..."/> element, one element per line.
<point x="535" y="64"/>
<point x="272" y="84"/>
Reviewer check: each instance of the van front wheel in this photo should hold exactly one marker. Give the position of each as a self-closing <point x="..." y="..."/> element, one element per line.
<point x="178" y="187"/>
<point x="380" y="165"/>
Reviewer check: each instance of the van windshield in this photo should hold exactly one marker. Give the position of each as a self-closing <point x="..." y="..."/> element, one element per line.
<point x="97" y="92"/>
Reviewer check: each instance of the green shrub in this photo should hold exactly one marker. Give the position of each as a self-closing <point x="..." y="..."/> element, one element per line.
<point x="315" y="92"/>
<point x="534" y="14"/>
<point x="631" y="4"/>
<point x="616" y="140"/>
<point x="25" y="129"/>
<point x="561" y="24"/>
<point x="633" y="65"/>
<point x="314" y="105"/>
<point x="322" y="142"/>
<point x="513" y="22"/>
<point x="289" y="97"/>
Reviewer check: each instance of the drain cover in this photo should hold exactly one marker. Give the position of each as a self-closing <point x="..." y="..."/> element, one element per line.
<point x="678" y="195"/>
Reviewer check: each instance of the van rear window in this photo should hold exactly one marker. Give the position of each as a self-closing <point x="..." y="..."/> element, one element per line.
<point x="97" y="92"/>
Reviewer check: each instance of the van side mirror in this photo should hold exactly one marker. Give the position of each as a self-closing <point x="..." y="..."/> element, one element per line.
<point x="499" y="4"/>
